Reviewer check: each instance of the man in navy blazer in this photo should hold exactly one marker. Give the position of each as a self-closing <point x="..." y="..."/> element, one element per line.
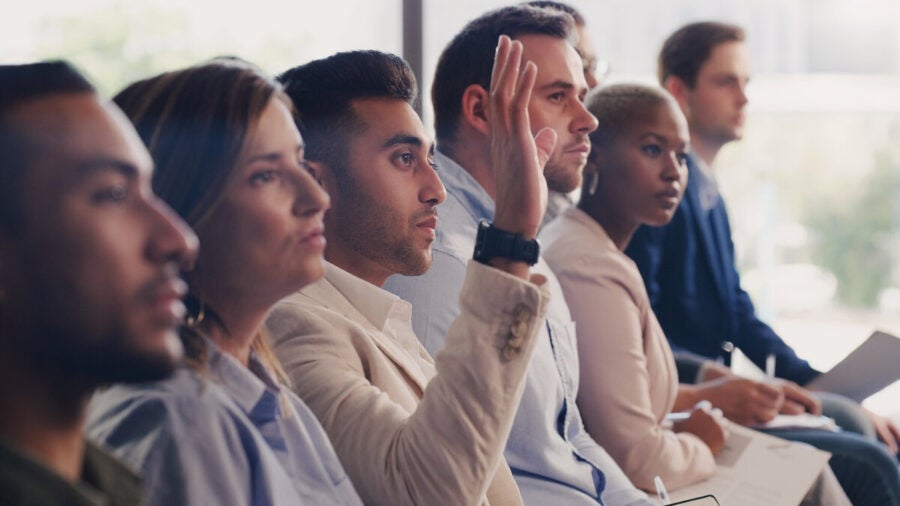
<point x="688" y="266"/>
<point x="689" y="270"/>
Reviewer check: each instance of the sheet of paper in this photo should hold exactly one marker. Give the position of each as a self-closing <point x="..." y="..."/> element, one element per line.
<point x="755" y="469"/>
<point x="866" y="370"/>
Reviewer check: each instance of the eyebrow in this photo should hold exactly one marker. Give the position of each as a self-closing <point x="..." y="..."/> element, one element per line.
<point x="407" y="139"/>
<point x="271" y="157"/>
<point x="96" y="165"/>
<point x="661" y="139"/>
<point x="558" y="84"/>
<point x="656" y="136"/>
<point x="403" y="139"/>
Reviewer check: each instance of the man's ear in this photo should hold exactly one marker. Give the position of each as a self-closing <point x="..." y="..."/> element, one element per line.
<point x="475" y="104"/>
<point x="679" y="91"/>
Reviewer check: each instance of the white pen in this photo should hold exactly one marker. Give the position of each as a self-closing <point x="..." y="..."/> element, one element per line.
<point x="661" y="490"/>
<point x="770" y="366"/>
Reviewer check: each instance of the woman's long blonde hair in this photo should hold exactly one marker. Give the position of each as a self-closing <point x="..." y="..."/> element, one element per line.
<point x="194" y="122"/>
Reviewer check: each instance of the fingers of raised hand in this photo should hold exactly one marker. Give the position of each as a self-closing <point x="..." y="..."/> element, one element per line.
<point x="505" y="78"/>
<point x="545" y="141"/>
<point x="524" y="84"/>
<point x="501" y="56"/>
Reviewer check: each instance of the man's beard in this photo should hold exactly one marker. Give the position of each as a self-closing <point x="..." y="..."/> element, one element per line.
<point x="561" y="179"/>
<point x="377" y="232"/>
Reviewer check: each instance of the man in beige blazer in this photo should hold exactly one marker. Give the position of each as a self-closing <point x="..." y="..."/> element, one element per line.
<point x="409" y="429"/>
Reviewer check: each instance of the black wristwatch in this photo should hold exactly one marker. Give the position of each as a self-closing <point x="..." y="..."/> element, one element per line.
<point x="491" y="242"/>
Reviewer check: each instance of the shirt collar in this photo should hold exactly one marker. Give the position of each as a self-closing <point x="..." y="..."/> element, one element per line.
<point x="376" y="304"/>
<point x="459" y="183"/>
<point x="703" y="181"/>
<point x="253" y="388"/>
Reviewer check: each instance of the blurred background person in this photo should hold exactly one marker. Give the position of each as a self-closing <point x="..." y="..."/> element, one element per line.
<point x="89" y="285"/>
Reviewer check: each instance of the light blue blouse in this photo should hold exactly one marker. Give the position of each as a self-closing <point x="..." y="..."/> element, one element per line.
<point x="227" y="436"/>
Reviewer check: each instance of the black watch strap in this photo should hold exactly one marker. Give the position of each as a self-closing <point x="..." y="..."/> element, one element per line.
<point x="492" y="242"/>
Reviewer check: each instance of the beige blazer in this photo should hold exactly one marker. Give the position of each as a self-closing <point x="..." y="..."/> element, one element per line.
<point x="406" y="434"/>
<point x="628" y="376"/>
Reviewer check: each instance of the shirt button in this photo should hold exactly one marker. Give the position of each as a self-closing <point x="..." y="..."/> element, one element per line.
<point x="517" y="332"/>
<point x="521" y="312"/>
<point x="511" y="352"/>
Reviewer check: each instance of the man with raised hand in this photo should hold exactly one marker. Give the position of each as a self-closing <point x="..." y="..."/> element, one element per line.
<point x="552" y="457"/>
<point x="409" y="429"/>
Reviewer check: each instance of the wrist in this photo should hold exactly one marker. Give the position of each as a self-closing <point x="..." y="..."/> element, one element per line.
<point x="498" y="247"/>
<point x="519" y="269"/>
<point x="688" y="396"/>
<point x="710" y="370"/>
<point x="515" y="219"/>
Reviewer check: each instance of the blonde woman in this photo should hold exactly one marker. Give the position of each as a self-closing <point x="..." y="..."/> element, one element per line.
<point x="225" y="430"/>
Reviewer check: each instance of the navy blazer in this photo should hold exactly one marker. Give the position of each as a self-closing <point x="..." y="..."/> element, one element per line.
<point x="689" y="270"/>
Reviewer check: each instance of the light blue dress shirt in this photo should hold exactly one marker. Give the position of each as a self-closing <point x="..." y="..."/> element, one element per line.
<point x="553" y="459"/>
<point x="226" y="436"/>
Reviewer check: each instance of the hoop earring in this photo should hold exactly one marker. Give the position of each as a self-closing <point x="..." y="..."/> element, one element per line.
<point x="595" y="180"/>
<point x="194" y="320"/>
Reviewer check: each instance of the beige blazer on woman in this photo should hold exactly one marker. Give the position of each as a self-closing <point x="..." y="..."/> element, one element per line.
<point x="628" y="376"/>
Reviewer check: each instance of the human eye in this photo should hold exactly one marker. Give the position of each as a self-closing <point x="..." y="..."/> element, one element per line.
<point x="557" y="97"/>
<point x="727" y="81"/>
<point x="405" y="159"/>
<point x="111" y="194"/>
<point x="682" y="158"/>
<point x="651" y="149"/>
<point x="263" y="176"/>
<point x="110" y="187"/>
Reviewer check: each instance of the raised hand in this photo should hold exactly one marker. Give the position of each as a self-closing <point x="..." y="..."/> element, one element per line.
<point x="517" y="157"/>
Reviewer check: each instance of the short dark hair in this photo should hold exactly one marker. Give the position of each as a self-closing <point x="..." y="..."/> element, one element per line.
<point x="20" y="84"/>
<point x="323" y="92"/>
<point x="559" y="6"/>
<point x="686" y="50"/>
<point x="619" y="106"/>
<point x="469" y="58"/>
